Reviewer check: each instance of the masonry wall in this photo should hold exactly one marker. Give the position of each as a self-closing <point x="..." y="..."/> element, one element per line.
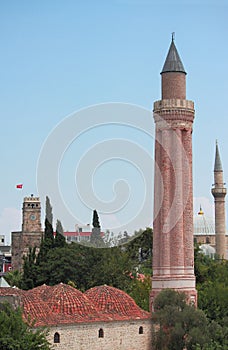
<point x="117" y="336"/>
<point x="21" y="242"/>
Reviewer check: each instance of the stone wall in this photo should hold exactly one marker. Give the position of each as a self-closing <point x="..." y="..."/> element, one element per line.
<point x="118" y="335"/>
<point x="21" y="242"/>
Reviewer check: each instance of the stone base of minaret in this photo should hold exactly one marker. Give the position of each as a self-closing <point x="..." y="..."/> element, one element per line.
<point x="183" y="284"/>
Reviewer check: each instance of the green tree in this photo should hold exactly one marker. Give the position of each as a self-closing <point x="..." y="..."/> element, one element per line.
<point x="60" y="240"/>
<point x="14" y="278"/>
<point x="29" y="274"/>
<point x="109" y="266"/>
<point x="96" y="222"/>
<point x="139" y="250"/>
<point x="180" y="326"/>
<point x="15" y="334"/>
<point x="47" y="243"/>
<point x="139" y="290"/>
<point x="212" y="286"/>
<point x="95" y="238"/>
<point x="48" y="214"/>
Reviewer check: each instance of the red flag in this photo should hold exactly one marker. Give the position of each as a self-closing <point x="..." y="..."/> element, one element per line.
<point x="19" y="186"/>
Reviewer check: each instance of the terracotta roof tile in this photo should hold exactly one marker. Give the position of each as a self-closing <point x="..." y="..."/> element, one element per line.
<point x="115" y="302"/>
<point x="63" y="304"/>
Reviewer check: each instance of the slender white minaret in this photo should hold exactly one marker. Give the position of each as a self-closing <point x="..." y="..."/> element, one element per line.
<point x="219" y="193"/>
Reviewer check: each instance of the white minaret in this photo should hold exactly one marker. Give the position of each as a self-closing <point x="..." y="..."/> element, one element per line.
<point x="219" y="193"/>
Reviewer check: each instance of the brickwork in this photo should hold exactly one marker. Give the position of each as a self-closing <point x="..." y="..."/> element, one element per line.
<point x="173" y="85"/>
<point x="173" y="252"/>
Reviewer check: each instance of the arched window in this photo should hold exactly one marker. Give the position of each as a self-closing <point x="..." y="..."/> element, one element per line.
<point x="101" y="333"/>
<point x="208" y="240"/>
<point x="141" y="330"/>
<point x="56" y="338"/>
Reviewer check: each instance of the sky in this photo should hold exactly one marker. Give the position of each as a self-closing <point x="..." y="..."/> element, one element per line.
<point x="78" y="80"/>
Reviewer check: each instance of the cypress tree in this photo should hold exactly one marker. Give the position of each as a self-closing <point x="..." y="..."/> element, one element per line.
<point x="96" y="239"/>
<point x="59" y="236"/>
<point x="96" y="219"/>
<point x="49" y="215"/>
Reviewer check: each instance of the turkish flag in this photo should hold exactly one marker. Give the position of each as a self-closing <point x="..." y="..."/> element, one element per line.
<point x="19" y="186"/>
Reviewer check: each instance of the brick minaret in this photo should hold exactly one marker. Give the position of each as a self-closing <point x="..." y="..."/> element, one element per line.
<point x="173" y="251"/>
<point x="219" y="193"/>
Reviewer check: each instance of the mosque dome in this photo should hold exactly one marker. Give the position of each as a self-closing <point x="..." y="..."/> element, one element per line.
<point x="203" y="225"/>
<point x="63" y="304"/>
<point x="208" y="250"/>
<point x="64" y="299"/>
<point x="114" y="301"/>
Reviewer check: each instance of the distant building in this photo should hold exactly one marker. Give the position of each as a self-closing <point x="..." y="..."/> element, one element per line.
<point x="205" y="234"/>
<point x="5" y="256"/>
<point x="82" y="234"/>
<point x="2" y="240"/>
<point x="31" y="233"/>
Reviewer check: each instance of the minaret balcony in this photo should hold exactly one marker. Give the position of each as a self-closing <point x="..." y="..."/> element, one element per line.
<point x="216" y="191"/>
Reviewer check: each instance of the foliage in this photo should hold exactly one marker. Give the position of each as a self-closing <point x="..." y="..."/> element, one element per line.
<point x="112" y="268"/>
<point x="86" y="266"/>
<point x="60" y="240"/>
<point x="48" y="242"/>
<point x="180" y="326"/>
<point x="139" y="250"/>
<point x="96" y="222"/>
<point x="212" y="286"/>
<point x="139" y="289"/>
<point x="14" y="278"/>
<point x="49" y="215"/>
<point x="96" y="240"/>
<point x="29" y="270"/>
<point x="16" y="334"/>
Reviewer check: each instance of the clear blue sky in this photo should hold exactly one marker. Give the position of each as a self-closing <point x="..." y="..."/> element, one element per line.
<point x="60" y="56"/>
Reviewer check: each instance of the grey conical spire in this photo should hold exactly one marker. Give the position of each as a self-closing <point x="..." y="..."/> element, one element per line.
<point x="218" y="163"/>
<point x="173" y="62"/>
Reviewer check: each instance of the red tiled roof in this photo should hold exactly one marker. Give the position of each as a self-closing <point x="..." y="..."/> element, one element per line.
<point x="63" y="304"/>
<point x="115" y="302"/>
<point x="10" y="291"/>
<point x="64" y="299"/>
<point x="80" y="234"/>
<point x="76" y="234"/>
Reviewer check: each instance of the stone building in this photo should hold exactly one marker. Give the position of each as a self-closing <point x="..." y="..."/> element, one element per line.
<point x="31" y="233"/>
<point x="173" y="251"/>
<point x="102" y="318"/>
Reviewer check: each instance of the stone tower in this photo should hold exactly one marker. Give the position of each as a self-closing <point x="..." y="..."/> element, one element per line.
<point x="173" y="250"/>
<point x="31" y="233"/>
<point x="219" y="193"/>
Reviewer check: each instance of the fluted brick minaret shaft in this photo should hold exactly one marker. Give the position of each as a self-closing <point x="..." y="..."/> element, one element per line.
<point x="219" y="193"/>
<point x="173" y="250"/>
